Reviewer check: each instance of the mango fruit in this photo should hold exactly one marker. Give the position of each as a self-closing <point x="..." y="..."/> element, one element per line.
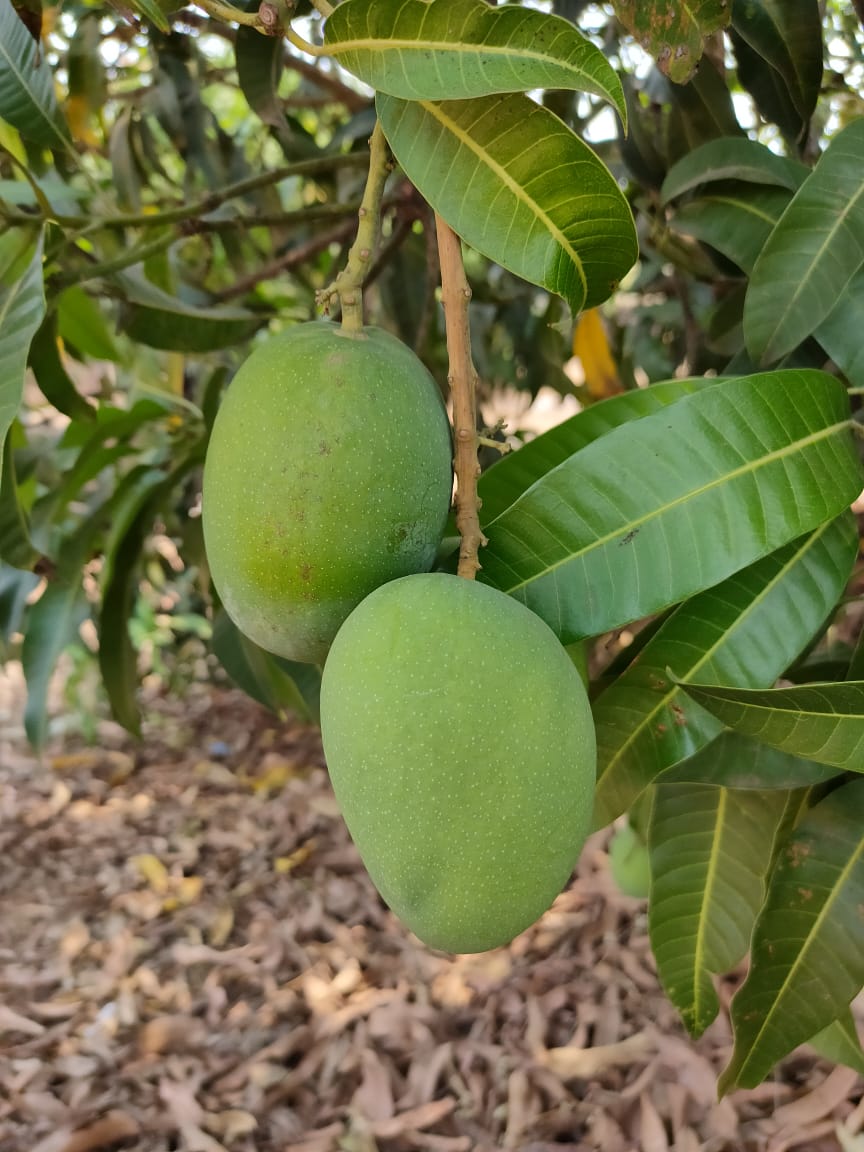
<point x="461" y="749"/>
<point x="328" y="472"/>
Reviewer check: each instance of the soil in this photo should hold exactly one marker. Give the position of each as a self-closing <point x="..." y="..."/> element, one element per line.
<point x="193" y="958"/>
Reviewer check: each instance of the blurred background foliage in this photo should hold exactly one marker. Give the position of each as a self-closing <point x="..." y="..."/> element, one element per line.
<point x="196" y="187"/>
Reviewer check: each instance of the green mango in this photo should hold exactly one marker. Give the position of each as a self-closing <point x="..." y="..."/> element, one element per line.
<point x="328" y="472"/>
<point x="461" y="749"/>
<point x="630" y="862"/>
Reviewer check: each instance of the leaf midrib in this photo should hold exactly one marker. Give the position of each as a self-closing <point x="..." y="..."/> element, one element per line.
<point x="784" y="990"/>
<point x="711" y="873"/>
<point x="22" y="82"/>
<point x="516" y="189"/>
<point x="694" y="493"/>
<point x="674" y="691"/>
<point x="442" y="47"/>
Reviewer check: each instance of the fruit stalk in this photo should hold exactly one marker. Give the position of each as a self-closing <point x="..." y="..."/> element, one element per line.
<point x="462" y="378"/>
<point x="348" y="285"/>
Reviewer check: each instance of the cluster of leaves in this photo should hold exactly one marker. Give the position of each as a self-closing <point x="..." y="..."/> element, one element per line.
<point x="715" y="503"/>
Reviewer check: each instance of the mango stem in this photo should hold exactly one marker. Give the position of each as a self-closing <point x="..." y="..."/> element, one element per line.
<point x="462" y="378"/>
<point x="348" y="285"/>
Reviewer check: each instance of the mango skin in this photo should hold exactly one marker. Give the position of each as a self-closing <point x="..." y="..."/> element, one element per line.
<point x="328" y="472"/>
<point x="461" y="749"/>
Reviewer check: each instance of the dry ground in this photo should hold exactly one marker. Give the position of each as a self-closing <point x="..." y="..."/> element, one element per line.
<point x="192" y="958"/>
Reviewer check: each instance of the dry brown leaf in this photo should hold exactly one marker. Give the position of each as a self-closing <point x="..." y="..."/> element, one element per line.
<point x="14" y="1022"/>
<point x="571" y="1063"/>
<point x="110" y="1129"/>
<point x="652" y="1133"/>
<point x="819" y="1102"/>
<point x="373" y="1100"/>
<point x="231" y="1124"/>
<point x="415" y="1118"/>
<point x="322" y="1140"/>
<point x="171" y="1034"/>
<point x="520" y="1107"/>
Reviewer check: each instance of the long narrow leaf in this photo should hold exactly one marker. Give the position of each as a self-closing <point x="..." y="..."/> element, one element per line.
<point x="457" y="49"/>
<point x="821" y="722"/>
<point x="812" y="254"/>
<point x="520" y="187"/>
<point x="736" y="761"/>
<point x="807" y="960"/>
<point x="746" y="630"/>
<point x="669" y="505"/>
<point x="27" y="98"/>
<point x="22" y="306"/>
<point x="710" y="851"/>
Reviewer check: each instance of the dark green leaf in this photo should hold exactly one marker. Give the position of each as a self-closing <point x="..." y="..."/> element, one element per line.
<point x="737" y="221"/>
<point x="22" y="306"/>
<point x="458" y="49"/>
<point x="280" y="685"/>
<point x="768" y="90"/>
<point x="52" y="377"/>
<point x="520" y="187"/>
<point x="27" y="98"/>
<point x="732" y="158"/>
<point x="812" y="254"/>
<point x="746" y="630"/>
<point x="154" y="318"/>
<point x="840" y="333"/>
<point x="710" y="851"/>
<point x="503" y="483"/>
<point x="671" y="504"/>
<point x="673" y="33"/>
<point x="736" y="761"/>
<point x="787" y="35"/>
<point x="840" y="1043"/>
<point x="15" y="588"/>
<point x="807" y="958"/>
<point x="821" y="722"/>
<point x="82" y="324"/>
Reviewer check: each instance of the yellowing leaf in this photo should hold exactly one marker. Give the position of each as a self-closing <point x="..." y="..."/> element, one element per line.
<point x="77" y="109"/>
<point x="153" y="871"/>
<point x="283" y="864"/>
<point x="592" y="347"/>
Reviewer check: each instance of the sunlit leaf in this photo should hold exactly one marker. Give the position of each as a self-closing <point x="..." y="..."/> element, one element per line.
<point x="516" y="184"/>
<point x="456" y="49"/>
<point x="27" y="97"/>
<point x="668" y="505"/>
<point x="673" y="33"/>
<point x="22" y="306"/>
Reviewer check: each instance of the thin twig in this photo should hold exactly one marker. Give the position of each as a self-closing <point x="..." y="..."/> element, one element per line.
<point x="202" y="207"/>
<point x="462" y="378"/>
<point x="348" y="285"/>
<point x="289" y="259"/>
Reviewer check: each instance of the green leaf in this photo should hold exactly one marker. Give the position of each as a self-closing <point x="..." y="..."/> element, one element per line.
<point x="458" y="49"/>
<point x="807" y="957"/>
<point x="746" y="630"/>
<point x="22" y="306"/>
<point x="52" y="378"/>
<point x="732" y="158"/>
<point x="520" y="187"/>
<point x="671" y="504"/>
<point x="736" y="761"/>
<point x="151" y="11"/>
<point x="737" y="221"/>
<point x="506" y="480"/>
<point x="52" y="625"/>
<point x="27" y="98"/>
<point x="15" y="588"/>
<point x="155" y="318"/>
<point x="82" y="324"/>
<point x="812" y="254"/>
<point x="787" y="34"/>
<point x="767" y="89"/>
<point x="673" y="33"/>
<point x="131" y="520"/>
<point x="821" y="722"/>
<point x="840" y="1043"/>
<point x="710" y="851"/>
<point x="125" y="169"/>
<point x="278" y="684"/>
<point x="840" y="333"/>
<point x="16" y="547"/>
